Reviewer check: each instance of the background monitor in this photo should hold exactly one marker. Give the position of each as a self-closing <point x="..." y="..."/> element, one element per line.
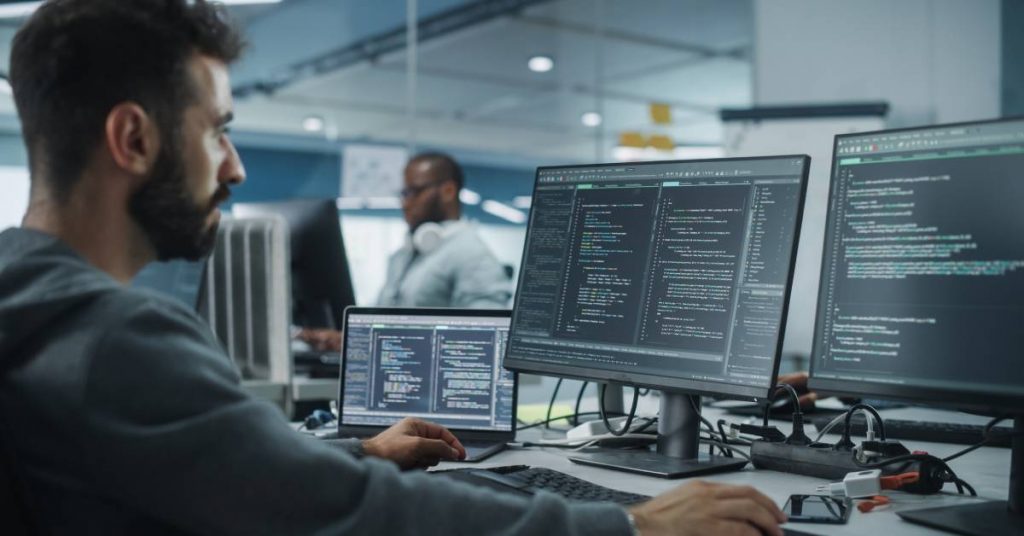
<point x="669" y="275"/>
<point x="922" y="294"/>
<point x="321" y="283"/>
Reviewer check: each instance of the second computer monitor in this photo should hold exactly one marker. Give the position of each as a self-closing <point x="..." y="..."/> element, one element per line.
<point x="321" y="284"/>
<point x="922" y="284"/>
<point x="671" y="275"/>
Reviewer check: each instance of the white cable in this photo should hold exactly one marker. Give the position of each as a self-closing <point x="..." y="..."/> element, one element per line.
<point x="590" y="439"/>
<point x="840" y="418"/>
<point x="725" y="446"/>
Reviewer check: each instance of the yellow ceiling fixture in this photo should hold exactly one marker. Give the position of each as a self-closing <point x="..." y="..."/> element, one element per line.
<point x="661" y="142"/>
<point x="661" y="113"/>
<point x="632" y="139"/>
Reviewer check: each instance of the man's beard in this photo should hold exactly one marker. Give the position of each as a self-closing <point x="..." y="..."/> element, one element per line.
<point x="172" y="221"/>
<point x="434" y="214"/>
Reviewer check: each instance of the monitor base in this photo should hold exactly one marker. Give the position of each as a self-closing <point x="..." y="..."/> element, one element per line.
<point x="991" y="518"/>
<point x="650" y="463"/>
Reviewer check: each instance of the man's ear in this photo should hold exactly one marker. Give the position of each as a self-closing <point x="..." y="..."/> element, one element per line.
<point x="449" y="191"/>
<point x="132" y="138"/>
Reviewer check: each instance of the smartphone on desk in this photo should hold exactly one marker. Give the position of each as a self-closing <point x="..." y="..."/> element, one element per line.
<point x="817" y="509"/>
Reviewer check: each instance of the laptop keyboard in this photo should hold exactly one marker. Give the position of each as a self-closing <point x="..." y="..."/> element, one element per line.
<point x="531" y="480"/>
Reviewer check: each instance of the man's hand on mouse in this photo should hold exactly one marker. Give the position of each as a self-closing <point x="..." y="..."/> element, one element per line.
<point x="320" y="340"/>
<point x="699" y="508"/>
<point x="414" y="443"/>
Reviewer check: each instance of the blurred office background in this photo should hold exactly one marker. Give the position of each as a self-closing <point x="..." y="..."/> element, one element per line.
<point x="334" y="94"/>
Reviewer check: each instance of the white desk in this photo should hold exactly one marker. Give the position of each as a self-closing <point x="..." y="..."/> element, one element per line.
<point x="986" y="469"/>
<point x="305" y="388"/>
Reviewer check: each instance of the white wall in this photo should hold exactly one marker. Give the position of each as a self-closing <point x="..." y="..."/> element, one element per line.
<point x="813" y="137"/>
<point x="14" y="186"/>
<point x="935" y="61"/>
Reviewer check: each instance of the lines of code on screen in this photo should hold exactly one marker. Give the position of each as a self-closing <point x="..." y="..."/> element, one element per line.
<point x="924" y="265"/>
<point x="674" y="270"/>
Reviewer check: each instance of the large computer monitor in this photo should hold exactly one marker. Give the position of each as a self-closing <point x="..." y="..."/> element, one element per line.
<point x="668" y="275"/>
<point x="922" y="294"/>
<point x="321" y="284"/>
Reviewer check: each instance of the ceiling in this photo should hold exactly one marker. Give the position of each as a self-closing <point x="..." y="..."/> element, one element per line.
<point x="474" y="91"/>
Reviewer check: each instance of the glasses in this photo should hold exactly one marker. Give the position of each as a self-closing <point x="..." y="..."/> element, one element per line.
<point x="414" y="191"/>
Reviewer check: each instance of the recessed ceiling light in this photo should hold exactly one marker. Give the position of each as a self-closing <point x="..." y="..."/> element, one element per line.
<point x="313" y="123"/>
<point x="541" y="64"/>
<point x="522" y="201"/>
<point x="469" y="197"/>
<point x="504" y="211"/>
<point x="591" y="119"/>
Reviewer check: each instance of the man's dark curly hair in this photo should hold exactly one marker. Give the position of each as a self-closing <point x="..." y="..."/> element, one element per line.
<point x="74" y="60"/>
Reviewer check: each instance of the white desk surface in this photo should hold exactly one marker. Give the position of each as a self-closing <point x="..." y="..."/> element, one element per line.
<point x="987" y="469"/>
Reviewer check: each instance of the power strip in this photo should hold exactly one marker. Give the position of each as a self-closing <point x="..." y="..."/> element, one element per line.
<point x="820" y="462"/>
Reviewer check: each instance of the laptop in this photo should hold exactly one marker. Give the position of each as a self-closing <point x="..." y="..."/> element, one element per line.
<point x="440" y="365"/>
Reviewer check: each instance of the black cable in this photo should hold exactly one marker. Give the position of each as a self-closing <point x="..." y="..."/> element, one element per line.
<point x="775" y="393"/>
<point x="579" y="399"/>
<point x="645" y="426"/>
<point x="845" y="440"/>
<point x="725" y="437"/>
<point x="950" y="476"/>
<point x="986" y="436"/>
<point x="629" y="417"/>
<point x="551" y="403"/>
<point x="970" y="488"/>
<point x="711" y="429"/>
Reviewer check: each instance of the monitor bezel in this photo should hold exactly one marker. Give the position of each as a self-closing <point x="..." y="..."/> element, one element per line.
<point x="697" y="387"/>
<point x="464" y="434"/>
<point x="977" y="401"/>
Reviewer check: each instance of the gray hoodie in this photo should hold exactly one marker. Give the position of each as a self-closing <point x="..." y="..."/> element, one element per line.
<point x="120" y="414"/>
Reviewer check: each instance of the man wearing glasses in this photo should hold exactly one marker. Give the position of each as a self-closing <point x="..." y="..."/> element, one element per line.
<point x="443" y="262"/>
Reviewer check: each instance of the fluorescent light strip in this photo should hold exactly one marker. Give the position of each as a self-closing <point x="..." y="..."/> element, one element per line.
<point x="18" y="10"/>
<point x="469" y="197"/>
<point x="504" y="211"/>
<point x="522" y="201"/>
<point x="22" y="10"/>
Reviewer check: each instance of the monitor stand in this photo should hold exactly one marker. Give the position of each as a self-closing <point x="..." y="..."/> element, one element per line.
<point x="990" y="518"/>
<point x="677" y="455"/>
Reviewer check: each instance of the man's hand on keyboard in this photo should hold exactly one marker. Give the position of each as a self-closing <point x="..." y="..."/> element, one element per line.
<point x="320" y="340"/>
<point x="708" y="508"/>
<point x="413" y="443"/>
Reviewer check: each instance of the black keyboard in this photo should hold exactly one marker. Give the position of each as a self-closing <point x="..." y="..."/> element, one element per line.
<point x="936" y="432"/>
<point x="530" y="480"/>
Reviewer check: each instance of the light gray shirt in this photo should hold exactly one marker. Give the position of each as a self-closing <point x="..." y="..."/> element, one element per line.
<point x="460" y="272"/>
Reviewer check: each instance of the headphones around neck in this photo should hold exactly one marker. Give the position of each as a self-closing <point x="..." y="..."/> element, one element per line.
<point x="430" y="235"/>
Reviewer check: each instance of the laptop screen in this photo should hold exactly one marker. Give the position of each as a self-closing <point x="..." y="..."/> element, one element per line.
<point x="443" y="367"/>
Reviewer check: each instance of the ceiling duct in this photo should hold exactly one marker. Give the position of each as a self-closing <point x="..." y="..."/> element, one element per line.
<point x="373" y="47"/>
